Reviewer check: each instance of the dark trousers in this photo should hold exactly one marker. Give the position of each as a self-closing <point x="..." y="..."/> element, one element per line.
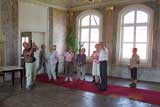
<point x="68" y="68"/>
<point x="103" y="75"/>
<point x="57" y="69"/>
<point x="40" y="66"/>
<point x="134" y="73"/>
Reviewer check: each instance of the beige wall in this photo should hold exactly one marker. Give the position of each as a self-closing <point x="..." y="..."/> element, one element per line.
<point x="59" y="29"/>
<point x="59" y="34"/>
<point x="32" y="17"/>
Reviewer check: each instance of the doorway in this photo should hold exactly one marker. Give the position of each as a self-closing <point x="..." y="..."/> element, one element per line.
<point x="38" y="38"/>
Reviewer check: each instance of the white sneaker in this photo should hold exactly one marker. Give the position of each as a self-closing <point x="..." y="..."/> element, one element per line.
<point x="66" y="79"/>
<point x="70" y="79"/>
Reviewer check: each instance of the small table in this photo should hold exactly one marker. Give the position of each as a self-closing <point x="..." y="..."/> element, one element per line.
<point x="13" y="69"/>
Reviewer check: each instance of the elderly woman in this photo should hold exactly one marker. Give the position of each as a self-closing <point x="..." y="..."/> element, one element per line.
<point x="68" y="59"/>
<point x="81" y="64"/>
<point x="42" y="59"/>
<point x="95" y="65"/>
<point x="52" y="58"/>
<point x="28" y="54"/>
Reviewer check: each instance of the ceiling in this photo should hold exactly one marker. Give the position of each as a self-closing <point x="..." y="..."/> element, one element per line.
<point x="80" y="3"/>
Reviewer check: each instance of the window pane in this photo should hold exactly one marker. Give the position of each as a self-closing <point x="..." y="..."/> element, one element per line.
<point x="84" y="35"/>
<point x="95" y="35"/>
<point x="141" y="34"/>
<point x="27" y="39"/>
<point x="142" y="50"/>
<point x="85" y="21"/>
<point x="92" y="48"/>
<point x="23" y="40"/>
<point x="94" y="20"/>
<point x="142" y="17"/>
<point x="86" y="46"/>
<point x="127" y="50"/>
<point x="128" y="34"/>
<point x="129" y="17"/>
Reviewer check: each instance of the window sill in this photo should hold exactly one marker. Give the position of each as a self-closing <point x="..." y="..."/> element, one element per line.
<point x="141" y="66"/>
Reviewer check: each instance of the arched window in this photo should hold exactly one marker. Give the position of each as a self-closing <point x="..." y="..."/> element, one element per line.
<point x="134" y="30"/>
<point x="89" y="30"/>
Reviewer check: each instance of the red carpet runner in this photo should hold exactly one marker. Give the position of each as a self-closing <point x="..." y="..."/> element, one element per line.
<point x="147" y="96"/>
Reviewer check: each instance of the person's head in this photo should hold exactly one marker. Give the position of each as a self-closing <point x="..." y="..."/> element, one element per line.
<point x="101" y="45"/>
<point x="25" y="45"/>
<point x="83" y="50"/>
<point x="51" y="48"/>
<point x="97" y="46"/>
<point x="43" y="46"/>
<point x="134" y="50"/>
<point x="54" y="47"/>
<point x="67" y="49"/>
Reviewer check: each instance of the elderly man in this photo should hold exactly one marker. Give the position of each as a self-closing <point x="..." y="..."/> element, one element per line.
<point x="103" y="58"/>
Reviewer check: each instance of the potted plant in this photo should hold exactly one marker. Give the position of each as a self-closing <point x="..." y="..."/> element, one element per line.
<point x="72" y="41"/>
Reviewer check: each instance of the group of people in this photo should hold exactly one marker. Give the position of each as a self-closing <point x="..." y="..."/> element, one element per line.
<point x="49" y="61"/>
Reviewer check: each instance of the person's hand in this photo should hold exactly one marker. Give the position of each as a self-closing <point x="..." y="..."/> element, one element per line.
<point x="79" y="64"/>
<point x="129" y="67"/>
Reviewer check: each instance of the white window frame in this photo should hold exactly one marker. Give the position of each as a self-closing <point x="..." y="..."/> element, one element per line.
<point x="86" y="13"/>
<point x="125" y="10"/>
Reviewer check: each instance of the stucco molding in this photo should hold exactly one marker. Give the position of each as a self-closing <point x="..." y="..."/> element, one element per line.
<point x="45" y="4"/>
<point x="107" y="3"/>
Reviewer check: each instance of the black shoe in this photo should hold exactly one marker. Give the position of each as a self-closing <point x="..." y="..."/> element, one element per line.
<point x="132" y="85"/>
<point x="96" y="83"/>
<point x="102" y="89"/>
<point x="93" y="80"/>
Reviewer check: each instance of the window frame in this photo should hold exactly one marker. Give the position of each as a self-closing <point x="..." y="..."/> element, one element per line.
<point x="79" y="27"/>
<point x="122" y="13"/>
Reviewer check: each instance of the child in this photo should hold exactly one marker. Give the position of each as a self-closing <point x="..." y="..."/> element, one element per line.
<point x="51" y="63"/>
<point x="95" y="66"/>
<point x="134" y="61"/>
<point x="42" y="59"/>
<point x="68" y="58"/>
<point x="81" y="64"/>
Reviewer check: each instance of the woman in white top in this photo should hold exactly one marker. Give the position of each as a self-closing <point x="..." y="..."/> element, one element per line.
<point x="52" y="58"/>
<point x="95" y="66"/>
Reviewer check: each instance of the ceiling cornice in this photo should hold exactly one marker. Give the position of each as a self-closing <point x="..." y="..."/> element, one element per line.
<point x="78" y="8"/>
<point x="88" y="6"/>
<point x="45" y="4"/>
